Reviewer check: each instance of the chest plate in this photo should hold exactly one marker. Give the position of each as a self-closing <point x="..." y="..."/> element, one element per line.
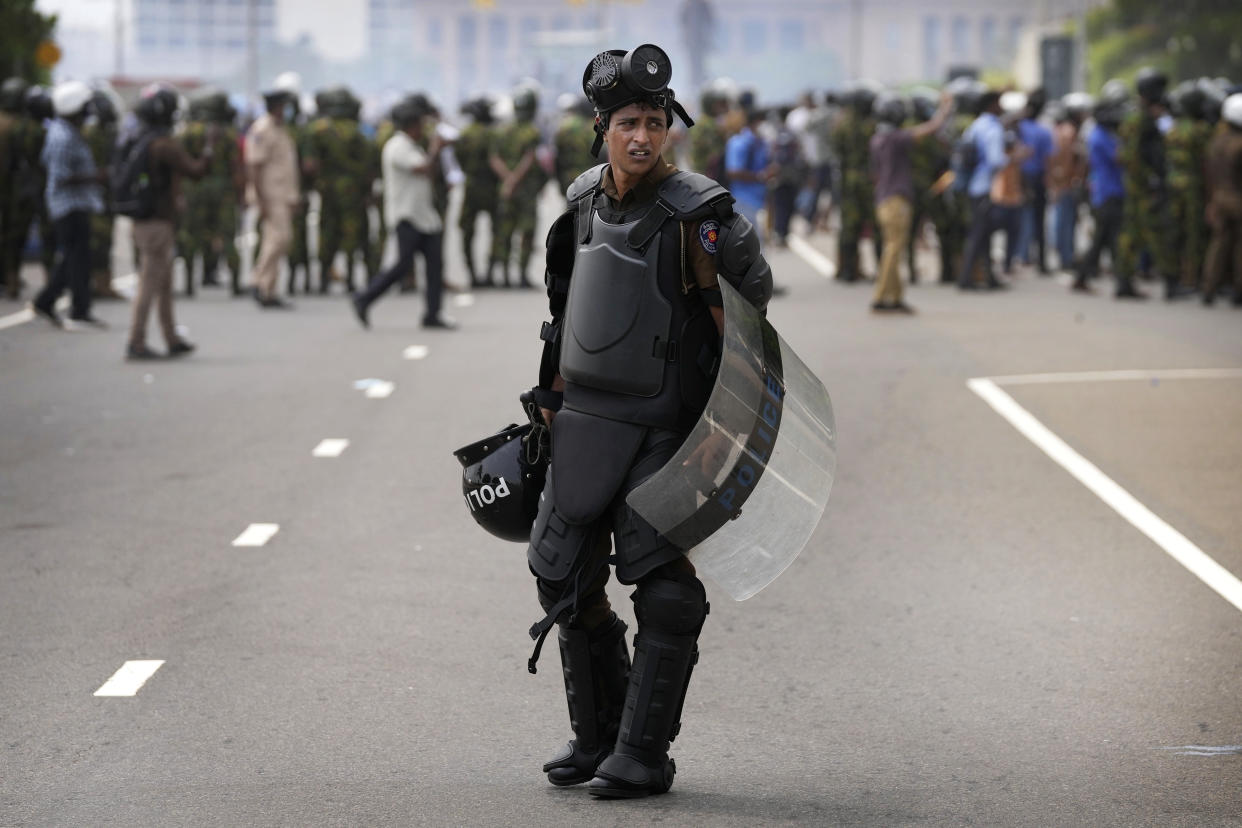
<point x="617" y="320"/>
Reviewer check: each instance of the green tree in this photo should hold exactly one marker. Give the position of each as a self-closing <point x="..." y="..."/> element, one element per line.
<point x="22" y="29"/>
<point x="1187" y="39"/>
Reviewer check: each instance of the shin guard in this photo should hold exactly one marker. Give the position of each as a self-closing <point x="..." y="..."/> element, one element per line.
<point x="596" y="666"/>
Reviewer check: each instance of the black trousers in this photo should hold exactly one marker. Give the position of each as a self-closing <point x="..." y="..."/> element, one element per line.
<point x="1107" y="229"/>
<point x="978" y="240"/>
<point x="409" y="242"/>
<point x="1037" y="204"/>
<point x="73" y="271"/>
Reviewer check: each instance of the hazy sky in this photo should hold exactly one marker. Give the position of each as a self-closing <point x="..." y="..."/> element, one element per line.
<point x="338" y="27"/>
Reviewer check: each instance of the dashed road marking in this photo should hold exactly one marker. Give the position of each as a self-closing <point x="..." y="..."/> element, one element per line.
<point x="416" y="352"/>
<point x="463" y="300"/>
<point x="330" y="447"/>
<point x="1174" y="543"/>
<point x="376" y="389"/>
<point x="20" y="318"/>
<point x="257" y="534"/>
<point x="821" y="263"/>
<point x="129" y="679"/>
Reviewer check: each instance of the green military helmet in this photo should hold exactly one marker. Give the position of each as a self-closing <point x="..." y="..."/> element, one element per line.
<point x="338" y="102"/>
<point x="13" y="95"/>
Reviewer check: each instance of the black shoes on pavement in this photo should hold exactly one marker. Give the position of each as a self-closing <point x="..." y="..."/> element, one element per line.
<point x="47" y="313"/>
<point x="440" y="323"/>
<point x="141" y="353"/>
<point x="360" y="311"/>
<point x="897" y="307"/>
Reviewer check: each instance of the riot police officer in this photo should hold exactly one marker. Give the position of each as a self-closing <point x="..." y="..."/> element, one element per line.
<point x="633" y="276"/>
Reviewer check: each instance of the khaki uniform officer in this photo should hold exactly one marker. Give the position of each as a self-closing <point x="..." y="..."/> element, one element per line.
<point x="272" y="171"/>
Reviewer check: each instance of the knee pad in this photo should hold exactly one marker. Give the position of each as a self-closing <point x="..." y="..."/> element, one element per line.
<point x="676" y="607"/>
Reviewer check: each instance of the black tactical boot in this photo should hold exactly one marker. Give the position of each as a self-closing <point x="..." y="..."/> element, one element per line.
<point x="670" y="615"/>
<point x="596" y="667"/>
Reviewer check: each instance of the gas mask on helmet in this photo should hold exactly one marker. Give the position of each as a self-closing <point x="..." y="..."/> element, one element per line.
<point x="616" y="78"/>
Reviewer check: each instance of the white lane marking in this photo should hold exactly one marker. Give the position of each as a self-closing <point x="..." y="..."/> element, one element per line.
<point x="1206" y="750"/>
<point x="822" y="264"/>
<point x="416" y="352"/>
<point x="464" y="300"/>
<point x="129" y="679"/>
<point x="1178" y="547"/>
<point x="376" y="389"/>
<point x="330" y="447"/>
<point x="257" y="534"/>
<point x="1121" y="376"/>
<point x="19" y="318"/>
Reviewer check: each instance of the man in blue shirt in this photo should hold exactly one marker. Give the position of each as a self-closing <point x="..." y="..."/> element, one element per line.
<point x="746" y="165"/>
<point x="1038" y="138"/>
<point x="73" y="193"/>
<point x="988" y="136"/>
<point x="1107" y="193"/>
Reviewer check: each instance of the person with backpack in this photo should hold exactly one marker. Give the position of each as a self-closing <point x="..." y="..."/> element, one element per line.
<point x="982" y="152"/>
<point x="146" y="187"/>
<point x="73" y="193"/>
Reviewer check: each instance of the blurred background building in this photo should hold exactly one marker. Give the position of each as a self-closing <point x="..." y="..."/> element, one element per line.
<point x="458" y="48"/>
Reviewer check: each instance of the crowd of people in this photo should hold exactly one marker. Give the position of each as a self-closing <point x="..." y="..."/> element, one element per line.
<point x="186" y="171"/>
<point x="1156" y="170"/>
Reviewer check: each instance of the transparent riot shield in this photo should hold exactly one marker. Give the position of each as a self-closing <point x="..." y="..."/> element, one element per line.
<point x="751" y="482"/>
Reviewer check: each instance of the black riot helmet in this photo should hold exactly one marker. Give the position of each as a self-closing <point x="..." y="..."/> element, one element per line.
<point x="479" y="109"/>
<point x="890" y="108"/>
<point x="1213" y="98"/>
<point x="502" y="478"/>
<point x="103" y="107"/>
<point x="1187" y="100"/>
<point x="1150" y="84"/>
<point x="924" y="101"/>
<point x="13" y="95"/>
<point x="616" y="78"/>
<point x="39" y="104"/>
<point x="157" y="106"/>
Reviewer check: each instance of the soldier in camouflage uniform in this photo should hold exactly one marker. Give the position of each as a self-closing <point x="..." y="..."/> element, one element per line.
<point x="934" y="197"/>
<point x="474" y="148"/>
<point x="343" y="164"/>
<point x="521" y="178"/>
<point x="26" y="104"/>
<point x="707" y="142"/>
<point x="100" y="134"/>
<point x="1186" y="145"/>
<point x="209" y="225"/>
<point x="850" y="141"/>
<point x="574" y="136"/>
<point x="13" y="134"/>
<point x="1145" y="220"/>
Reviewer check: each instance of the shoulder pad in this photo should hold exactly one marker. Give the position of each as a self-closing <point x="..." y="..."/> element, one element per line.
<point x="740" y="262"/>
<point x="689" y="193"/>
<point x="585" y="183"/>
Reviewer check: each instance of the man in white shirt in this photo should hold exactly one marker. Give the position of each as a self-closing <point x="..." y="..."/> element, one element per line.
<point x="408" y="169"/>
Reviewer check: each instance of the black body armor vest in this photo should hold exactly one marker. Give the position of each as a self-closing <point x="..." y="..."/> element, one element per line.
<point x="637" y="343"/>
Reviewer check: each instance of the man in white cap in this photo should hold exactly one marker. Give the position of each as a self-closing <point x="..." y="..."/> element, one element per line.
<point x="272" y="170"/>
<point x="73" y="193"/>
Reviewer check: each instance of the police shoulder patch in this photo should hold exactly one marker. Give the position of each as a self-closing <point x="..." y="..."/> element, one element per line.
<point x="709" y="232"/>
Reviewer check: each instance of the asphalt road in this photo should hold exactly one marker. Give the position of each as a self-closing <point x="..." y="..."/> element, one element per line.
<point x="971" y="638"/>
